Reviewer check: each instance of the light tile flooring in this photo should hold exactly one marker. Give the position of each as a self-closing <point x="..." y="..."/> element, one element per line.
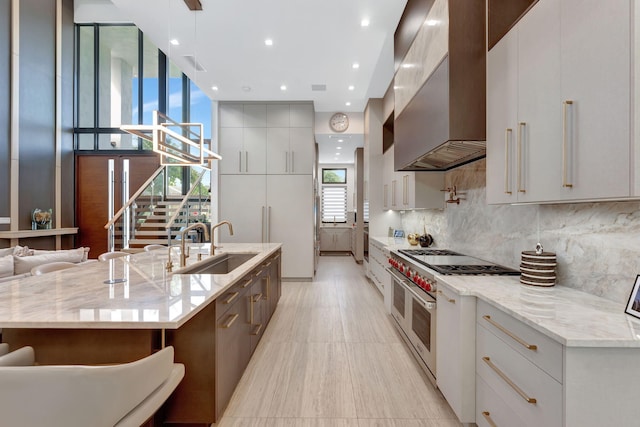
<point x="332" y="357"/>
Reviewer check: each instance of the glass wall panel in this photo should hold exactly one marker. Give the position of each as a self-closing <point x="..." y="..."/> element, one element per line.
<point x="174" y="100"/>
<point x="86" y="77"/>
<point x="117" y="141"/>
<point x="84" y="141"/>
<point x="118" y="72"/>
<point x="150" y="80"/>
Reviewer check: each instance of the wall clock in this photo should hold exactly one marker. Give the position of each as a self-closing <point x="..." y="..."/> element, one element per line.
<point x="339" y="122"/>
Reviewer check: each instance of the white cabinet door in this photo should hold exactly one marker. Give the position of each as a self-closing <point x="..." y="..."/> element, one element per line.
<point x="343" y="239"/>
<point x="302" y="150"/>
<point x="231" y="149"/>
<point x="290" y="221"/>
<point x="539" y="126"/>
<point x="455" y="351"/>
<point x="278" y="150"/>
<point x="596" y="78"/>
<point x="502" y="119"/>
<point x="243" y="202"/>
<point x="301" y="115"/>
<point x="255" y="150"/>
<point x="278" y="116"/>
<point x="231" y="115"/>
<point x="327" y="239"/>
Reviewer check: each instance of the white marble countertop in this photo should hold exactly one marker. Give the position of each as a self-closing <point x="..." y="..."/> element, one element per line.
<point x="569" y="316"/>
<point x="150" y="298"/>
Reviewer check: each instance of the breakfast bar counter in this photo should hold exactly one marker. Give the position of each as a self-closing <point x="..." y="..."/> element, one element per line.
<point x="127" y="308"/>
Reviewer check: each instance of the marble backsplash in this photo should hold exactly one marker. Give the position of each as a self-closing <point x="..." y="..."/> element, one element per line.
<point x="597" y="244"/>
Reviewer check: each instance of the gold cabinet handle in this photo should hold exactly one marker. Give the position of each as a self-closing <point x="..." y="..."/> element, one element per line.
<point x="385" y="191"/>
<point x="507" y="136"/>
<point x="247" y="283"/>
<point x="405" y="189"/>
<point x="509" y="382"/>
<point x="257" y="297"/>
<point x="487" y="416"/>
<point x="565" y="107"/>
<point x="257" y="330"/>
<point x="519" y="340"/>
<point x="231" y="298"/>
<point x="393" y="192"/>
<point x="521" y="126"/>
<point x="240" y="161"/>
<point x="268" y="287"/>
<point x="229" y="322"/>
<point x="452" y="301"/>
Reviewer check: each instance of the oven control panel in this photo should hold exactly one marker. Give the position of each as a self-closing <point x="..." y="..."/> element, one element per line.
<point x="412" y="274"/>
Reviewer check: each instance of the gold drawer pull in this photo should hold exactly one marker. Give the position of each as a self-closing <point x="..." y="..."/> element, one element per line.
<point x="247" y="283"/>
<point x="257" y="297"/>
<point x="520" y="341"/>
<point x="231" y="298"/>
<point x="257" y="331"/>
<point x="452" y="301"/>
<point x="229" y="322"/>
<point x="487" y="416"/>
<point x="508" y="381"/>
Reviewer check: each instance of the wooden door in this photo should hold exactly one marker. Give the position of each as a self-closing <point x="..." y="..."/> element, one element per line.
<point x="92" y="193"/>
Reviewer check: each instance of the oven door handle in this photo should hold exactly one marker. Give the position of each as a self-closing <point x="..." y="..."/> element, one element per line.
<point x="429" y="305"/>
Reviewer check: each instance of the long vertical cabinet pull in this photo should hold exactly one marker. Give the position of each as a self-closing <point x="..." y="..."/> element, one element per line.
<point x="269" y="225"/>
<point x="246" y="161"/>
<point x="405" y="190"/>
<point x="385" y="195"/>
<point x="240" y="161"/>
<point x="263" y="233"/>
<point x="393" y="192"/>
<point x="521" y="127"/>
<point x="286" y="161"/>
<point x="111" y="177"/>
<point x="126" y="218"/>
<point x="565" y="107"/>
<point x="487" y="417"/>
<point x="293" y="162"/>
<point x="507" y="137"/>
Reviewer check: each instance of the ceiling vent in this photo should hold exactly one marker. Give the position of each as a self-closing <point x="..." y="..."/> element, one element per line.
<point x="193" y="4"/>
<point x="319" y="88"/>
<point x="192" y="61"/>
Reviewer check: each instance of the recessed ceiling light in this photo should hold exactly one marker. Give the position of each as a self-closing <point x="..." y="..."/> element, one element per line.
<point x="283" y="87"/>
<point x="341" y="140"/>
<point x="355" y="66"/>
<point x="174" y="42"/>
<point x="364" y="22"/>
<point x="432" y="22"/>
<point x="337" y="154"/>
<point x="214" y="87"/>
<point x="338" y="148"/>
<point x="408" y="65"/>
<point x="352" y="87"/>
<point x="268" y="42"/>
<point x="335" y="158"/>
<point x="347" y="104"/>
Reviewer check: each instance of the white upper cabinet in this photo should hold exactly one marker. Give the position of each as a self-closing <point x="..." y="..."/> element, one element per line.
<point x="558" y="109"/>
<point x="290" y="140"/>
<point x="243" y="138"/>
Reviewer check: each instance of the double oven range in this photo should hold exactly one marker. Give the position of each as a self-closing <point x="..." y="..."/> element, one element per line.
<point x="413" y="290"/>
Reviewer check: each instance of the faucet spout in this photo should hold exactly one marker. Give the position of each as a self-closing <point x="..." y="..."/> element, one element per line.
<point x="213" y="228"/>
<point x="184" y="254"/>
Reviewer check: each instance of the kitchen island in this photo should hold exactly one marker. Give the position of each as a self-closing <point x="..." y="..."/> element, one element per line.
<point x="127" y="308"/>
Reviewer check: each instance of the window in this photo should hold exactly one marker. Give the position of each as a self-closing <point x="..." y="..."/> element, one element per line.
<point x="334" y="203"/>
<point x="334" y="176"/>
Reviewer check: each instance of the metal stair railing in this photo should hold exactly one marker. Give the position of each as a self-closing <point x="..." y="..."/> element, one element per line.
<point x="184" y="211"/>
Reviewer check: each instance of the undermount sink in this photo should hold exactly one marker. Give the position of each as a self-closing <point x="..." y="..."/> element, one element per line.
<point x="218" y="264"/>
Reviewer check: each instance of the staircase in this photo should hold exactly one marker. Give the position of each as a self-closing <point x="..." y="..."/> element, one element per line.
<point x="150" y="218"/>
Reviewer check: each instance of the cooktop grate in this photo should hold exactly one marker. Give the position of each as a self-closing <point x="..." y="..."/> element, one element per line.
<point x="427" y="252"/>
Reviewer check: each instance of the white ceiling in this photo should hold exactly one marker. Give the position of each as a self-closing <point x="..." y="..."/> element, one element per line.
<point x="315" y="42"/>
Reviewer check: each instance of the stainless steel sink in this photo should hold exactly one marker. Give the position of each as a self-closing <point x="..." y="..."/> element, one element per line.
<point x="218" y="264"/>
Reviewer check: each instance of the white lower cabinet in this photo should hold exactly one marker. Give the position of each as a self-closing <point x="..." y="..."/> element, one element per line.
<point x="335" y="239"/>
<point x="455" y="352"/>
<point x="378" y="261"/>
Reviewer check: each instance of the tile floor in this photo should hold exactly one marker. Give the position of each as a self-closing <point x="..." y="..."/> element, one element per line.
<point x="332" y="357"/>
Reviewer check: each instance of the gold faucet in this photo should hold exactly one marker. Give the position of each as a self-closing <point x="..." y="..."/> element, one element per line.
<point x="213" y="247"/>
<point x="184" y="254"/>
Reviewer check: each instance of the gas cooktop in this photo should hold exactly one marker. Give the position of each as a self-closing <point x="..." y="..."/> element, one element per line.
<point x="445" y="261"/>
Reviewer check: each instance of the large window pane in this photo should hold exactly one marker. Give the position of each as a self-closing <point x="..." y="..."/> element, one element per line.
<point x="86" y="80"/>
<point x="85" y="141"/>
<point x="174" y="101"/>
<point x="150" y="80"/>
<point x="117" y="141"/>
<point x="200" y="109"/>
<point x="118" y="63"/>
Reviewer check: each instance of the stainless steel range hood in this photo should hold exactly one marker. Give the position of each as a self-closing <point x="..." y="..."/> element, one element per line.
<point x="443" y="125"/>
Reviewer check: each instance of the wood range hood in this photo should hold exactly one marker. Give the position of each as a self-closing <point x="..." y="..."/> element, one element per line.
<point x="443" y="124"/>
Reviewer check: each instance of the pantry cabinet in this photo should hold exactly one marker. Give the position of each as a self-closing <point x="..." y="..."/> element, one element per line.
<point x="289" y="151"/>
<point x="243" y="138"/>
<point x="558" y="126"/>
